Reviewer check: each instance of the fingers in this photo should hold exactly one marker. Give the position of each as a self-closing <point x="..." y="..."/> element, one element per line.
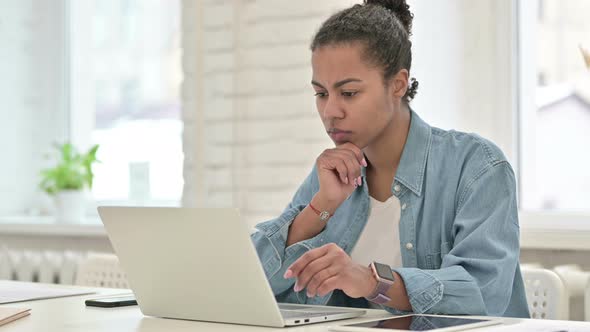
<point x="345" y="163"/>
<point x="352" y="165"/>
<point x="342" y="170"/>
<point x="319" y="278"/>
<point x="295" y="269"/>
<point x="311" y="271"/>
<point x="356" y="151"/>
<point x="316" y="266"/>
<point x="328" y="285"/>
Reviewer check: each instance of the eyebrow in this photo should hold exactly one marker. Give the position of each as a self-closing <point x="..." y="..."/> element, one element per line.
<point x="339" y="83"/>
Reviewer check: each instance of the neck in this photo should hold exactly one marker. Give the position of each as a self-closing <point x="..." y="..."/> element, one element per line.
<point x="384" y="153"/>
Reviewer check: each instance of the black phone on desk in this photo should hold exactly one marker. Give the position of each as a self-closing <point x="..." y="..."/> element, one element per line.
<point x="113" y="301"/>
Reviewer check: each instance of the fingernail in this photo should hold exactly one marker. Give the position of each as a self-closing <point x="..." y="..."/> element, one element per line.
<point x="346" y="180"/>
<point x="364" y="162"/>
<point x="297" y="288"/>
<point x="288" y="274"/>
<point x="360" y="181"/>
<point x="309" y="294"/>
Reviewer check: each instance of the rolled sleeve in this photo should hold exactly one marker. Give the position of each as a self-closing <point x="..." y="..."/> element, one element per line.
<point x="423" y="289"/>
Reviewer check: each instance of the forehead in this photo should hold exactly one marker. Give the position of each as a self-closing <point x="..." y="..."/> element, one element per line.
<point x="331" y="63"/>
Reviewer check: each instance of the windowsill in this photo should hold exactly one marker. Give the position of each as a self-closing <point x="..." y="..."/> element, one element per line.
<point x="554" y="230"/>
<point x="48" y="226"/>
<point x="539" y="230"/>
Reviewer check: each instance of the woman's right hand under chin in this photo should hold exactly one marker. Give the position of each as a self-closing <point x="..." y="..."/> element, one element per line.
<point x="339" y="173"/>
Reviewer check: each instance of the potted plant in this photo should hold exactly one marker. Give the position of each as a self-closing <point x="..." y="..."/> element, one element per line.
<point x="68" y="181"/>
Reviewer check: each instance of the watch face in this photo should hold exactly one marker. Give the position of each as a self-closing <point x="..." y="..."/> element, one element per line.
<point x="384" y="271"/>
<point x="324" y="215"/>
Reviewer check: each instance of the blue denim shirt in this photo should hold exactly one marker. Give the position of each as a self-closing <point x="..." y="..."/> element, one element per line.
<point x="458" y="231"/>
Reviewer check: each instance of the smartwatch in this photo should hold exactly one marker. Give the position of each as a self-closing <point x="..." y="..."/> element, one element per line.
<point x="385" y="279"/>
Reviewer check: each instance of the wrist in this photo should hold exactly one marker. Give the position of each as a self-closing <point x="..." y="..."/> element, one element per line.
<point x="385" y="279"/>
<point x="322" y="203"/>
<point x="371" y="282"/>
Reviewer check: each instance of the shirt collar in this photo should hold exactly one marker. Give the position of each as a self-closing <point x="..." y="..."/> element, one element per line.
<point x="412" y="166"/>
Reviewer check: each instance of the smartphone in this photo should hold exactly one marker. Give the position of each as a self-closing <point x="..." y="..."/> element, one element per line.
<point x="111" y="302"/>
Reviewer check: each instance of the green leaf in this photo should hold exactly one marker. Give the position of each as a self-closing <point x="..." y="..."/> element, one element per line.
<point x="72" y="172"/>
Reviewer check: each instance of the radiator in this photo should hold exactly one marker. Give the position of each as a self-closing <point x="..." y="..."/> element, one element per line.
<point x="577" y="284"/>
<point x="57" y="267"/>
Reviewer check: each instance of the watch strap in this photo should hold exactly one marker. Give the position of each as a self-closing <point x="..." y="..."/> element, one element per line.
<point x="378" y="295"/>
<point x="383" y="285"/>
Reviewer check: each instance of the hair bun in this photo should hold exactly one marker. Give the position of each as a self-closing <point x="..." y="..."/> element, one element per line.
<point x="399" y="8"/>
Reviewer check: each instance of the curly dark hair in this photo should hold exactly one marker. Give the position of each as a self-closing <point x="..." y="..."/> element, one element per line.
<point x="383" y="26"/>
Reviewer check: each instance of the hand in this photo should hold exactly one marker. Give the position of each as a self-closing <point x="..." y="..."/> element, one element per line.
<point x="327" y="268"/>
<point x="339" y="172"/>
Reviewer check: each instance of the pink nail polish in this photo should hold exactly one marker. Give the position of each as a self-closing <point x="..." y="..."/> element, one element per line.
<point x="360" y="181"/>
<point x="364" y="162"/>
<point x="346" y="180"/>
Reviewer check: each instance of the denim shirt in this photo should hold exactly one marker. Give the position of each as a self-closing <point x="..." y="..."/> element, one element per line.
<point x="458" y="231"/>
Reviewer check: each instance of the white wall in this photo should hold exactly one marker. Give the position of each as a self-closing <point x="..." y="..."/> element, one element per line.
<point x="252" y="132"/>
<point x="31" y="95"/>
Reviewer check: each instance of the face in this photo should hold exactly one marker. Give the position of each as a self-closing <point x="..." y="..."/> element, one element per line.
<point x="351" y="97"/>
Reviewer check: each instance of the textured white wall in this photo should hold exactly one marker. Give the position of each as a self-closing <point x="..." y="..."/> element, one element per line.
<point x="252" y="133"/>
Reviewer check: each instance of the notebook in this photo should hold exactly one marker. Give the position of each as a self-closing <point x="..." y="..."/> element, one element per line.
<point x="8" y="315"/>
<point x="19" y="291"/>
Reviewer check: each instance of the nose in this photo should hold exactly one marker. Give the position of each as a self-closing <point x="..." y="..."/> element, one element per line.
<point x="332" y="109"/>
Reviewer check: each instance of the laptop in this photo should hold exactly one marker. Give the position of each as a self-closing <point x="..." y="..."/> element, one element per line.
<point x="200" y="264"/>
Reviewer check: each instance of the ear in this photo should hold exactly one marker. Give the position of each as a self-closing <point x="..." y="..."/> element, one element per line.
<point x="398" y="84"/>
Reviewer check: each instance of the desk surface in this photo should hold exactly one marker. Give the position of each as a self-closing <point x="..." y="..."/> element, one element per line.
<point x="69" y="314"/>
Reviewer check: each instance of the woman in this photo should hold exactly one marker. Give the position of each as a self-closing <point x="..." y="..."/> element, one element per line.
<point x="398" y="214"/>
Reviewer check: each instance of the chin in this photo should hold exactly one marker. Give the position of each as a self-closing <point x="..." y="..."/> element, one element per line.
<point x="338" y="143"/>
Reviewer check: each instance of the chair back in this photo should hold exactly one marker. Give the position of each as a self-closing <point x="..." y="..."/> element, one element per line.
<point x="546" y="294"/>
<point x="101" y="270"/>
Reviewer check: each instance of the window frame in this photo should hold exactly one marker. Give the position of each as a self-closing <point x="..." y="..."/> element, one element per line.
<point x="79" y="94"/>
<point x="540" y="229"/>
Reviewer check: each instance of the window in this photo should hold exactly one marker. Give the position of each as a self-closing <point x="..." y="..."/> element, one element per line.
<point x="554" y="64"/>
<point x="124" y="87"/>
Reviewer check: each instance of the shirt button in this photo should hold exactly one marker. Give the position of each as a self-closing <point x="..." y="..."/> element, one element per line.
<point x="404" y="206"/>
<point x="396" y="188"/>
<point x="409" y="246"/>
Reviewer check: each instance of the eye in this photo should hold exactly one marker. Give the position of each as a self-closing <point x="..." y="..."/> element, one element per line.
<point x="320" y="94"/>
<point x="349" y="93"/>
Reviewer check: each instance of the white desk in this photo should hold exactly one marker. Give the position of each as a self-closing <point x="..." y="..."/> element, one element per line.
<point x="71" y="315"/>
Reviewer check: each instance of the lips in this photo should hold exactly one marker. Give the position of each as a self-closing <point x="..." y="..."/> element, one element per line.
<point x="339" y="136"/>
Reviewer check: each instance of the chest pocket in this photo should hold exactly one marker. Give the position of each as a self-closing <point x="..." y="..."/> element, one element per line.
<point x="434" y="260"/>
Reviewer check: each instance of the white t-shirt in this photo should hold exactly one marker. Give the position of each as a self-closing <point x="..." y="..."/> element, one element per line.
<point x="379" y="240"/>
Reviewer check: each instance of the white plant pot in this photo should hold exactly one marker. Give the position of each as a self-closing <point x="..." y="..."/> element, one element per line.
<point x="70" y="206"/>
